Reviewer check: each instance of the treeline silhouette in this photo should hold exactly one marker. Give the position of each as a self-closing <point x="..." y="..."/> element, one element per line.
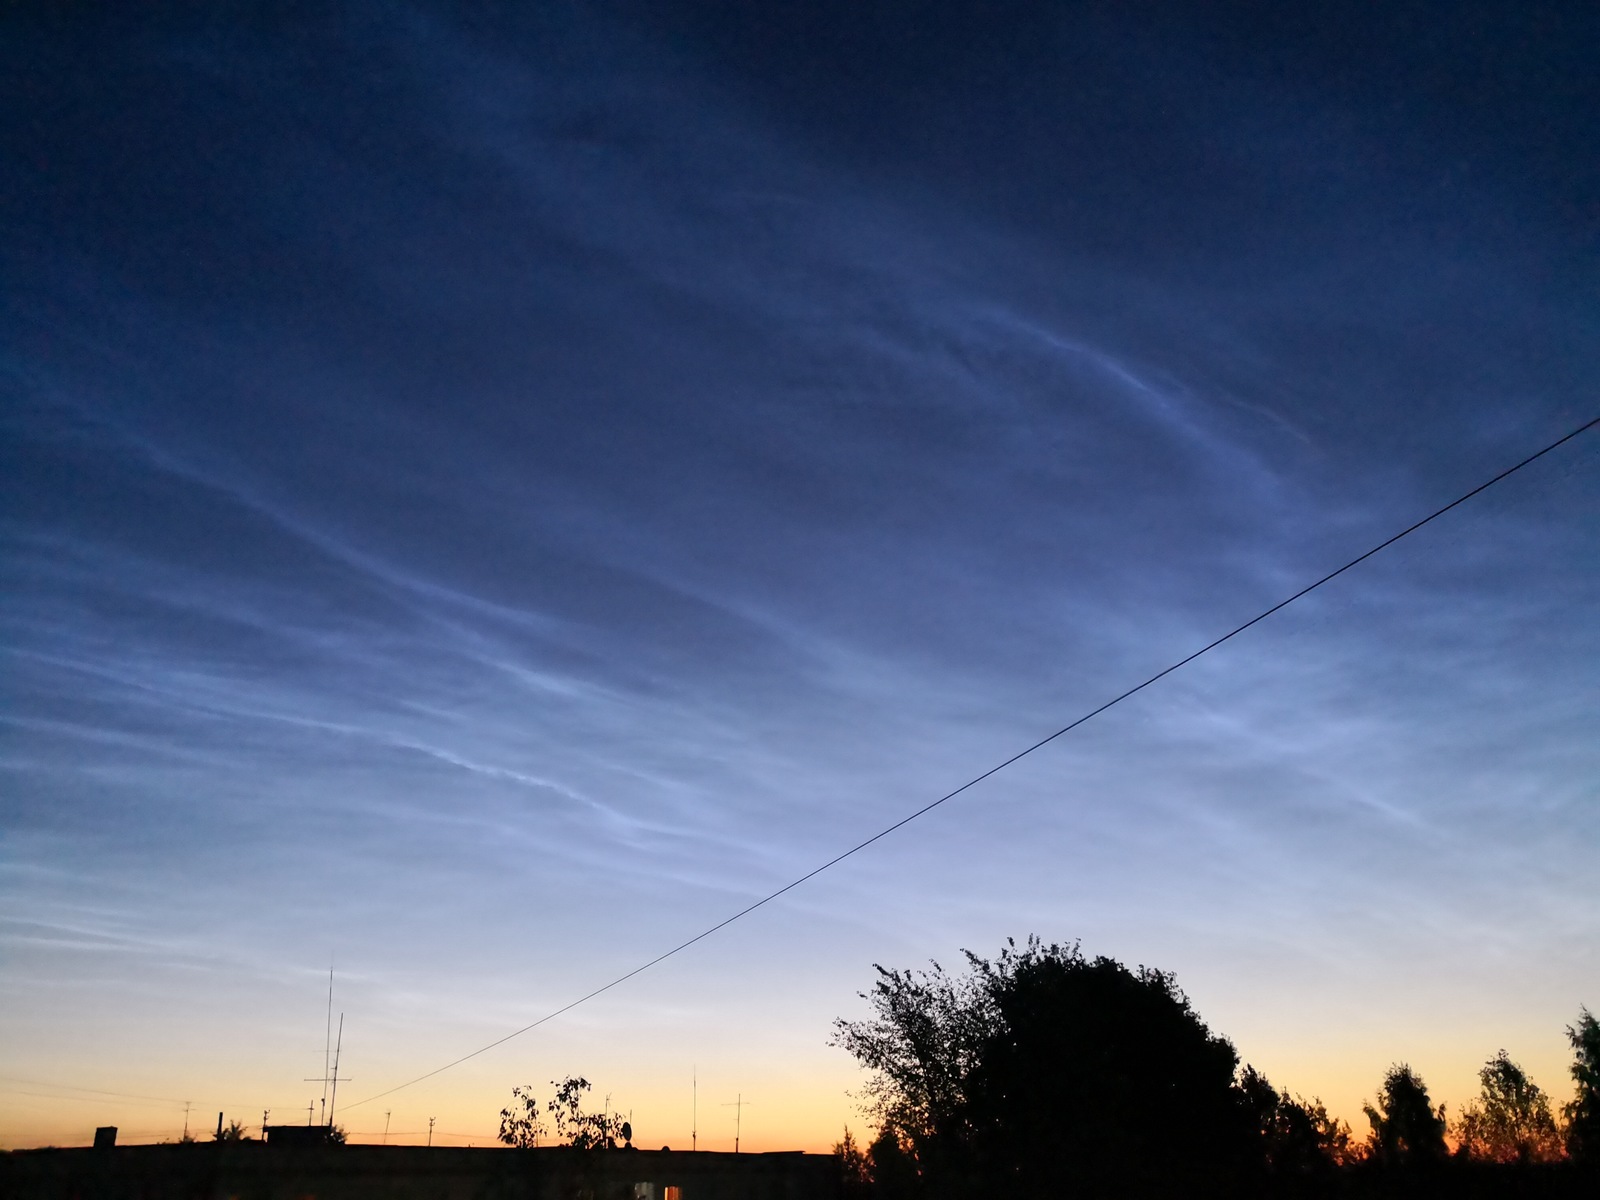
<point x="1046" y="1073"/>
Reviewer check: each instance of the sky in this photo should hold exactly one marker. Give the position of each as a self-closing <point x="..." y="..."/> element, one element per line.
<point x="487" y="497"/>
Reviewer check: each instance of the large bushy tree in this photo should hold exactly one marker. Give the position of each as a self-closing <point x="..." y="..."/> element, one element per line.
<point x="1044" y="1071"/>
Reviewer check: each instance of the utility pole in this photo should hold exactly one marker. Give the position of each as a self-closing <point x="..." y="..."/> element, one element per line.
<point x="186" y="1107"/>
<point x="738" y="1115"/>
<point x="430" y="1131"/>
<point x="386" y="1113"/>
<point x="310" y="1108"/>
<point x="694" y="1111"/>
<point x="264" y="1113"/>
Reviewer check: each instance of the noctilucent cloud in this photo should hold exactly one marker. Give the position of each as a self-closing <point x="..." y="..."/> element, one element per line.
<point x="487" y="497"/>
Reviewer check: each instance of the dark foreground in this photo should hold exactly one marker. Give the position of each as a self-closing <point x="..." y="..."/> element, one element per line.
<point x="257" y="1171"/>
<point x="1455" y="1180"/>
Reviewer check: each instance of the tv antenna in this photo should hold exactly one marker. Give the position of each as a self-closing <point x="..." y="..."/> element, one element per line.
<point x="738" y="1116"/>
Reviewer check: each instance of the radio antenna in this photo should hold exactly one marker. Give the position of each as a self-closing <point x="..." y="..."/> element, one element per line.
<point x="337" y="1046"/>
<point x="327" y="1041"/>
<point x="738" y="1107"/>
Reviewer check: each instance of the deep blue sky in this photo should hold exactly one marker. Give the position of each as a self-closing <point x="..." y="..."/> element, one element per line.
<point x="486" y="497"/>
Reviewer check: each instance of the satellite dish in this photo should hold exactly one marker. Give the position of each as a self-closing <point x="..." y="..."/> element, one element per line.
<point x="627" y="1131"/>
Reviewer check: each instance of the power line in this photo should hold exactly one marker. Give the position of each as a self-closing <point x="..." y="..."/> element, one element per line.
<point x="15" y="1091"/>
<point x="68" y="1087"/>
<point x="995" y="770"/>
<point x="94" y="1095"/>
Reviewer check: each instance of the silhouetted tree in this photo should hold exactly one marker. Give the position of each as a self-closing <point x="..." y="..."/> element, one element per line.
<point x="855" y="1174"/>
<point x="1510" y="1121"/>
<point x="1406" y="1129"/>
<point x="892" y="1168"/>
<point x="1044" y="1066"/>
<point x="520" y="1125"/>
<point x="584" y="1130"/>
<point x="1297" y="1135"/>
<point x="1583" y="1112"/>
<point x="234" y="1132"/>
<point x="922" y="1049"/>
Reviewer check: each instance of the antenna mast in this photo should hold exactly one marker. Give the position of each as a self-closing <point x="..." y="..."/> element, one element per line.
<point x="329" y="1077"/>
<point x="738" y="1115"/>
<point x="335" y="1080"/>
<point x="327" y="1042"/>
